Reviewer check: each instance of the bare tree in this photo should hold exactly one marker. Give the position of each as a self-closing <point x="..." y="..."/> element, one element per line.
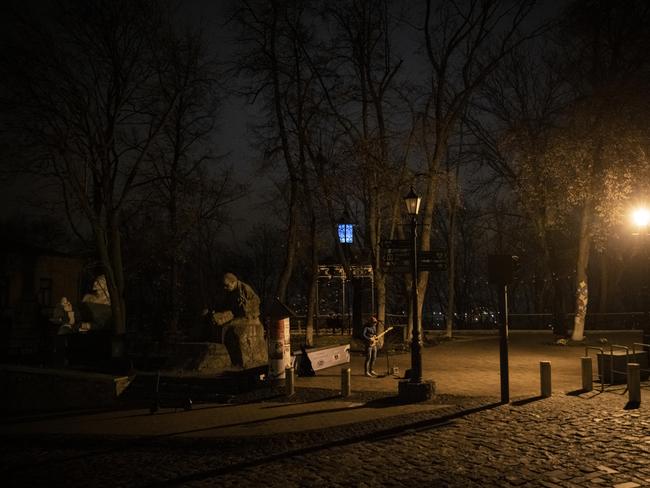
<point x="605" y="50"/>
<point x="92" y="103"/>
<point x="182" y="161"/>
<point x="263" y="40"/>
<point x="464" y="42"/>
<point x="275" y="38"/>
<point x="361" y="95"/>
<point x="515" y="116"/>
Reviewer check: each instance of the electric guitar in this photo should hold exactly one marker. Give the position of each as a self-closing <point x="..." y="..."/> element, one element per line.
<point x="375" y="339"/>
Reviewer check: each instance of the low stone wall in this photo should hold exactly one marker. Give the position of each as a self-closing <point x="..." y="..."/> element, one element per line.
<point x="28" y="389"/>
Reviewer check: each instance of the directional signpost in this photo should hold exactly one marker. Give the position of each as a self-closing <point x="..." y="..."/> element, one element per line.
<point x="397" y="257"/>
<point x="435" y="260"/>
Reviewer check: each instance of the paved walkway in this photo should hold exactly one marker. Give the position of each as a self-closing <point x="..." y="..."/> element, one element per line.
<point x="469" y="365"/>
<point x="463" y="438"/>
<point x="463" y="369"/>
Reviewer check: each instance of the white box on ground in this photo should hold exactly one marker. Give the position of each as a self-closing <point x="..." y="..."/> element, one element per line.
<point x="326" y="357"/>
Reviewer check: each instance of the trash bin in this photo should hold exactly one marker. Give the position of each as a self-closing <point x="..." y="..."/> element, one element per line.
<point x="612" y="366"/>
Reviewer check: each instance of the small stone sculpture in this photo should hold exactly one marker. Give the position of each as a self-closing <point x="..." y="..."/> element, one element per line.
<point x="64" y="315"/>
<point x="96" y="306"/>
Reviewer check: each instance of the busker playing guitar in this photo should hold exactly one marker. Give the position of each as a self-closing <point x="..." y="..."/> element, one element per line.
<point x="371" y="339"/>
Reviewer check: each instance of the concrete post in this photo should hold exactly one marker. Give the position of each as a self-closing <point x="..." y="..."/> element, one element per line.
<point x="634" y="383"/>
<point x="289" y="389"/>
<point x="545" y="378"/>
<point x="587" y="374"/>
<point x="346" y="389"/>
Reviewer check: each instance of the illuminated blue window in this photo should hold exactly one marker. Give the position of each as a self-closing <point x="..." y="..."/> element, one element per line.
<point x="346" y="233"/>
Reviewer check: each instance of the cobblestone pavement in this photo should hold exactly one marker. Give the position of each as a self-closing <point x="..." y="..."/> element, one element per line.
<point x="588" y="440"/>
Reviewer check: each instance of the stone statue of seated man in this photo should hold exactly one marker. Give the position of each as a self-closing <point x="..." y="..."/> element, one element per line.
<point x="240" y="302"/>
<point x="235" y="323"/>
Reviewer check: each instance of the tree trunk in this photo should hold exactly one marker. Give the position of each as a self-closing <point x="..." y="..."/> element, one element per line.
<point x="604" y="284"/>
<point x="408" y="335"/>
<point x="109" y="248"/>
<point x="582" y="280"/>
<point x="451" y="273"/>
<point x="554" y="270"/>
<point x="118" y="304"/>
<point x="425" y="240"/>
<point x="312" y="304"/>
<point x="380" y="298"/>
<point x="174" y="313"/>
<point x="292" y="242"/>
<point x="278" y="96"/>
<point x="379" y="281"/>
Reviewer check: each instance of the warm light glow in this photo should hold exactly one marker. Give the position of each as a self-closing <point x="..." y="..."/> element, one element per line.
<point x="412" y="201"/>
<point x="641" y="217"/>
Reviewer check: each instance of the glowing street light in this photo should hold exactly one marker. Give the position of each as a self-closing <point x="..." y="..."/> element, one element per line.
<point x="641" y="217"/>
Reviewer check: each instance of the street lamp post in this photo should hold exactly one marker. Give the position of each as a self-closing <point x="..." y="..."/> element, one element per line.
<point x="641" y="219"/>
<point x="413" y="207"/>
<point x="414" y="389"/>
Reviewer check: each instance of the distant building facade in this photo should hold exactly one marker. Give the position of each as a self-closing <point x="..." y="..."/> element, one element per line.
<point x="32" y="281"/>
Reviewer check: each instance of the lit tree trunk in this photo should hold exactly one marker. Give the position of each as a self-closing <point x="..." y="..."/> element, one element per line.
<point x="582" y="280"/>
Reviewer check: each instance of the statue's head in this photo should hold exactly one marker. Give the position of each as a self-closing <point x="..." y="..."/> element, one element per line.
<point x="229" y="282"/>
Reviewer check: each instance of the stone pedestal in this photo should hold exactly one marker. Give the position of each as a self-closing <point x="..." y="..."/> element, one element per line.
<point x="202" y="357"/>
<point x="241" y="346"/>
<point x="244" y="340"/>
<point x="410" y="392"/>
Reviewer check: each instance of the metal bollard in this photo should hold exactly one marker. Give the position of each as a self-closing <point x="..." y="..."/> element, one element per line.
<point x="289" y="389"/>
<point x="345" y="382"/>
<point x="587" y="374"/>
<point x="634" y="383"/>
<point x="545" y="378"/>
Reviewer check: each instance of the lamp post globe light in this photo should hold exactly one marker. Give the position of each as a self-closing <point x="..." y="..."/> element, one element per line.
<point x="641" y="218"/>
<point x="414" y="389"/>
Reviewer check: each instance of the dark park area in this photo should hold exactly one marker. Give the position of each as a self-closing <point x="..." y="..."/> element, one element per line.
<point x="324" y="243"/>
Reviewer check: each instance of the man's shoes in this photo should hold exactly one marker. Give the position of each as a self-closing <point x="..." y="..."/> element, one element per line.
<point x="369" y="375"/>
<point x="372" y="373"/>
